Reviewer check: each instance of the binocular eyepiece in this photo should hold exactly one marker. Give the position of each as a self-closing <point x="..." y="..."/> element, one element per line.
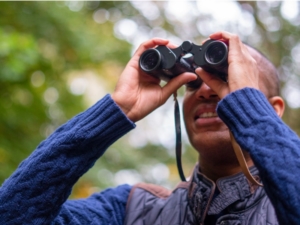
<point x="166" y="63"/>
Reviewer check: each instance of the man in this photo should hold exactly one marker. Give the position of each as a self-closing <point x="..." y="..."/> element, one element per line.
<point x="218" y="192"/>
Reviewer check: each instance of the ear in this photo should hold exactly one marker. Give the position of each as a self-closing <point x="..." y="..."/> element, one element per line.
<point x="278" y="105"/>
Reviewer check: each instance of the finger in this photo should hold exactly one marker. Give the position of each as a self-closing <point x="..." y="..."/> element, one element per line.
<point x="223" y="40"/>
<point x="175" y="83"/>
<point x="205" y="40"/>
<point x="245" y="49"/>
<point x="221" y="35"/>
<point x="150" y="44"/>
<point x="214" y="82"/>
<point x="172" y="45"/>
<point x="235" y="44"/>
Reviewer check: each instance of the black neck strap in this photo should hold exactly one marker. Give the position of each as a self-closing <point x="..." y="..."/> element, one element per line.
<point x="178" y="137"/>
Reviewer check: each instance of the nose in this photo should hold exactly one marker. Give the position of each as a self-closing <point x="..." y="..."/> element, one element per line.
<point x="205" y="92"/>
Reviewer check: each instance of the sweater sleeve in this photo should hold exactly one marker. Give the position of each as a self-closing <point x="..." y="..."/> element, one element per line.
<point x="273" y="146"/>
<point x="37" y="191"/>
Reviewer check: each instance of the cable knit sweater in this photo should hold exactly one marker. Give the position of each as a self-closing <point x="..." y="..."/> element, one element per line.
<point x="37" y="192"/>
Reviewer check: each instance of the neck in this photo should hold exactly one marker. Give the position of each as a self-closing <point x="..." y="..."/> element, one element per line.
<point x="215" y="169"/>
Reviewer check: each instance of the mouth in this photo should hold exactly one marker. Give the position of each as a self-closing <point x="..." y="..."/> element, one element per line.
<point x="207" y="118"/>
<point x="206" y="112"/>
<point x="207" y="115"/>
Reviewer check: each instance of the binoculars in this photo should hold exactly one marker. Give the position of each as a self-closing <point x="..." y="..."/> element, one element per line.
<point x="166" y="63"/>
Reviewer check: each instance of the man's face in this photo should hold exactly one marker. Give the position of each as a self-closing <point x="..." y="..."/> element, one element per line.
<point x="205" y="129"/>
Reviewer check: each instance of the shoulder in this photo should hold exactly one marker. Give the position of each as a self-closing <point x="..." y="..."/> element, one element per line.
<point x="153" y="203"/>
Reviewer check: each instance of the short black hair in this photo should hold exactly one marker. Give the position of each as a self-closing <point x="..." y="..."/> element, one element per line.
<point x="268" y="73"/>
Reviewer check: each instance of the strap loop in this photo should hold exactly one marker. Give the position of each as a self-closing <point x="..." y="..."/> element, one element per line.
<point x="240" y="157"/>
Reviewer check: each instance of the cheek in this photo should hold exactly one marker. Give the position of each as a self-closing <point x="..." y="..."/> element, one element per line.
<point x="187" y="113"/>
<point x="185" y="110"/>
<point x="187" y="103"/>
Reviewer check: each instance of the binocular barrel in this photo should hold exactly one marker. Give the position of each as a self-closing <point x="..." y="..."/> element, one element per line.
<point x="150" y="60"/>
<point x="216" y="53"/>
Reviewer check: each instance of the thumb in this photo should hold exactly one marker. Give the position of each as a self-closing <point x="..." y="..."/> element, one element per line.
<point x="214" y="82"/>
<point x="175" y="83"/>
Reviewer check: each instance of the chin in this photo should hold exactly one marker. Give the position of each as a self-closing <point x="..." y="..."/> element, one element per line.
<point x="212" y="141"/>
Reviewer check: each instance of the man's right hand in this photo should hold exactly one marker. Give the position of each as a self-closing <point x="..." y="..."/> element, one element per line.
<point x="138" y="93"/>
<point x="242" y="67"/>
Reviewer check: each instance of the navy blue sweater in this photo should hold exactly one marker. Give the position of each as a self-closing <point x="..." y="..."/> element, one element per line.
<point x="37" y="192"/>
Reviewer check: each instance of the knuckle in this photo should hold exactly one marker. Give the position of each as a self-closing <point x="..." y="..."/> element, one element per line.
<point x="235" y="37"/>
<point x="254" y="62"/>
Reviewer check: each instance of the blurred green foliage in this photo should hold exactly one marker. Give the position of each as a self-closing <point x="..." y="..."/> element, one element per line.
<point x="44" y="46"/>
<point x="40" y="43"/>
